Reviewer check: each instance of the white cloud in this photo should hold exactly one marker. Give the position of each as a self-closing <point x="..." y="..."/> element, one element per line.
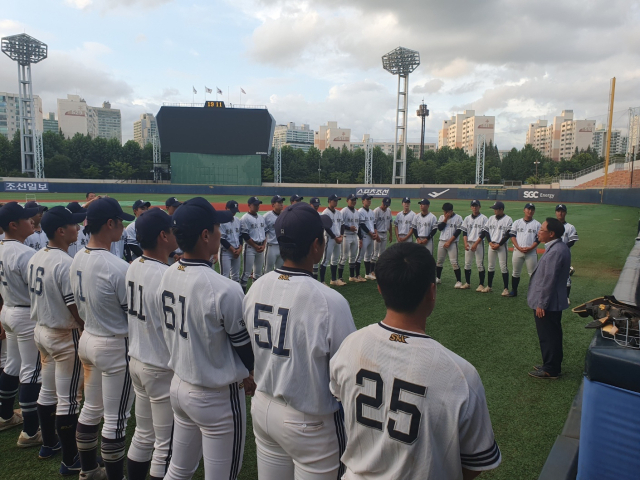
<point x="432" y="86"/>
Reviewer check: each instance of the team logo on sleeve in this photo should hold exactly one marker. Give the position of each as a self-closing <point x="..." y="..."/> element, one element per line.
<point x="396" y="337"/>
<point x="181" y="268"/>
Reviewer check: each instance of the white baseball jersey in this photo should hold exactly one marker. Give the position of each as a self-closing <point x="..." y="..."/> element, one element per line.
<point x="14" y="273"/>
<point x="383" y="219"/>
<point x="405" y="222"/>
<point x="100" y="290"/>
<point x="336" y="219"/>
<point x="202" y="322"/>
<point x="570" y="233"/>
<point x="367" y="218"/>
<point x="350" y="218"/>
<point x="37" y="240"/>
<point x="497" y="228"/>
<point x="146" y="339"/>
<point x="79" y="244"/>
<point x="270" y="227"/>
<point x="473" y="226"/>
<point x="453" y="224"/>
<point x="425" y="224"/>
<point x="231" y="232"/>
<point x="130" y="232"/>
<point x="50" y="288"/>
<point x="413" y="409"/>
<point x="296" y="325"/>
<point x="117" y="248"/>
<point x="254" y="226"/>
<point x="526" y="233"/>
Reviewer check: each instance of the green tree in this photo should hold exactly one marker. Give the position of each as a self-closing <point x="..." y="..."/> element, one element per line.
<point x="57" y="166"/>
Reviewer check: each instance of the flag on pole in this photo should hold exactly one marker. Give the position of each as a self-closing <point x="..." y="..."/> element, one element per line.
<point x="219" y="92"/>
<point x="194" y="90"/>
<point x="208" y="90"/>
<point x="242" y="90"/>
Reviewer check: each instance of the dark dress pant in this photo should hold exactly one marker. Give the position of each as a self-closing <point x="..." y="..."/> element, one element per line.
<point x="549" y="330"/>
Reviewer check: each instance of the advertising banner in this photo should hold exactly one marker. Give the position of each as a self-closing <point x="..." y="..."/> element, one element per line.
<point x="374" y="192"/>
<point x="436" y="193"/>
<point x="26" y="187"/>
<point x="542" y="195"/>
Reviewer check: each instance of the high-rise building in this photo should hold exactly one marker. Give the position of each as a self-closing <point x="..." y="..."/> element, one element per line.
<point x="330" y="135"/>
<point x="105" y="122"/>
<point x="462" y="130"/>
<point x="560" y="139"/>
<point x="618" y="141"/>
<point x="10" y="113"/>
<point x="50" y="124"/>
<point x="145" y="129"/>
<point x="296" y="137"/>
<point x="388" y="147"/>
<point x="72" y="115"/>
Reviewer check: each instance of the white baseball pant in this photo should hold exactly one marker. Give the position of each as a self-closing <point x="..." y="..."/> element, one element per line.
<point x="332" y="251"/>
<point x="252" y="262"/>
<point x="429" y="246"/>
<point x="209" y="423"/>
<point x="23" y="357"/>
<point x="501" y="255"/>
<point x="478" y="255"/>
<point x="62" y="374"/>
<point x="272" y="257"/>
<point x="294" y="445"/>
<point x="452" y="252"/>
<point x="154" y="416"/>
<point x="519" y="259"/>
<point x="349" y="249"/>
<point x="107" y="383"/>
<point x="408" y="240"/>
<point x="229" y="266"/>
<point x="366" y="251"/>
<point x="379" y="247"/>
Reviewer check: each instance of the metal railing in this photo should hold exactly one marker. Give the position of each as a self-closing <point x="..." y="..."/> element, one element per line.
<point x="201" y="104"/>
<point x="573" y="176"/>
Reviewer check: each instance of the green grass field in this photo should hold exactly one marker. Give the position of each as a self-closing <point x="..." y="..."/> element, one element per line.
<point x="497" y="335"/>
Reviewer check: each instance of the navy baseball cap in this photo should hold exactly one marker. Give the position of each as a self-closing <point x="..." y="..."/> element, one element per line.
<point x="366" y="197"/>
<point x="13" y="212"/>
<point x="561" y="208"/>
<point x="41" y="208"/>
<point x="150" y="223"/>
<point x="172" y="202"/>
<point x="277" y="199"/>
<point x="102" y="209"/>
<point x="315" y="201"/>
<point x="299" y="225"/>
<point x="498" y="206"/>
<point x="140" y="204"/>
<point x="475" y="203"/>
<point x="75" y="207"/>
<point x="406" y="200"/>
<point x="60" y="216"/>
<point x="530" y="205"/>
<point x="352" y="196"/>
<point x="296" y="198"/>
<point x="333" y="197"/>
<point x="424" y="201"/>
<point x="197" y="214"/>
<point x="447" y="207"/>
<point x="253" y="201"/>
<point x="386" y="201"/>
<point x="232" y="206"/>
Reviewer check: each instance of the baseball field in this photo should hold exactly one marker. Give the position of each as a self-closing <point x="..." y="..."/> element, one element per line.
<point x="497" y="335"/>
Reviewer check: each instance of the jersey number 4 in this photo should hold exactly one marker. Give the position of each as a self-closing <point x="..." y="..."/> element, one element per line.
<point x="170" y="314"/>
<point x="396" y="405"/>
<point x="259" y="323"/>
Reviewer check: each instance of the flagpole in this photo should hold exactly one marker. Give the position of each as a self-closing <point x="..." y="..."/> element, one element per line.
<point x="228" y="94"/>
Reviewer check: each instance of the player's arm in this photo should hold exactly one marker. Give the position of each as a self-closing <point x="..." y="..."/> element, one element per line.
<point x="23" y="264"/>
<point x="118" y="279"/>
<point x="76" y="316"/>
<point x="64" y="285"/>
<point x="514" y="240"/>
<point x="340" y="324"/>
<point x="230" y="308"/>
<point x="504" y="238"/>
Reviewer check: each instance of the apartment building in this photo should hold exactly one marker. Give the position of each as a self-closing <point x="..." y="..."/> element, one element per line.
<point x="145" y="129"/>
<point x="10" y="113"/>
<point x="618" y="141"/>
<point x="462" y="130"/>
<point x="330" y="135"/>
<point x="560" y="139"/>
<point x="301" y="137"/>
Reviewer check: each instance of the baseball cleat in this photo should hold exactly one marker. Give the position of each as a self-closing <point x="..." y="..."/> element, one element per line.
<point x="487" y="290"/>
<point x="458" y="285"/>
<point x="542" y="374"/>
<point x="48" y="452"/>
<point x="353" y="279"/>
<point x="14" y="421"/>
<point x="340" y="282"/>
<point x="568" y="300"/>
<point x="373" y="274"/>
<point x="512" y="294"/>
<point x="505" y="292"/>
<point x="438" y="281"/>
<point x="73" y="469"/>
<point x="360" y="279"/>
<point x="95" y="474"/>
<point x="369" y="277"/>
<point x="25" y="441"/>
<point x="465" y="286"/>
<point x="480" y="288"/>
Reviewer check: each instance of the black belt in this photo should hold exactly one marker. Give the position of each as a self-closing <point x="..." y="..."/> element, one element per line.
<point x="22" y="306"/>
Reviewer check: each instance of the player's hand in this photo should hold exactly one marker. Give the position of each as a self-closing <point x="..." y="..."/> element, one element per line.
<point x="249" y="386"/>
<point x="466" y="246"/>
<point x="353" y="229"/>
<point x="359" y="243"/>
<point x="447" y="244"/>
<point x="474" y="247"/>
<point x="539" y="312"/>
<point x="3" y="334"/>
<point x="494" y="246"/>
<point x="339" y="240"/>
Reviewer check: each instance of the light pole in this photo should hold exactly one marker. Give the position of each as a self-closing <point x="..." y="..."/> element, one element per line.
<point x="536" y="163"/>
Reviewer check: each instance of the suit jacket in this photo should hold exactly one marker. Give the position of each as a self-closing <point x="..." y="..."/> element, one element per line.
<point x="548" y="285"/>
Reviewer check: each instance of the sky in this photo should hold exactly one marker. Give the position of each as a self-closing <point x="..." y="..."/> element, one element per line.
<point x="313" y="62"/>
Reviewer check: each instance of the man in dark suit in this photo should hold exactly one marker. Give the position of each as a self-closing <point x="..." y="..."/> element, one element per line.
<point x="547" y="297"/>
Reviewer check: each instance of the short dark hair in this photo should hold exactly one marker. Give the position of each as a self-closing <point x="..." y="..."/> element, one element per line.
<point x="150" y="243"/>
<point x="89" y="193"/>
<point x="554" y="225"/>
<point x="50" y="232"/>
<point x="405" y="272"/>
<point x="187" y="239"/>
<point x="295" y="253"/>
<point x="94" y="227"/>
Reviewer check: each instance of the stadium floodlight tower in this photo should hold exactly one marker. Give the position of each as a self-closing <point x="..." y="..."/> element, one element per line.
<point x="27" y="50"/>
<point x="401" y="62"/>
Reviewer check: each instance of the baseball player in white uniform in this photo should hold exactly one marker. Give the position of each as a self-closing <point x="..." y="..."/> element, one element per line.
<point x="38" y="239"/>
<point x="384" y="227"/>
<point x="413" y="409"/>
<point x="570" y="237"/>
<point x="497" y="231"/>
<point x="209" y="350"/>
<point x="524" y="236"/>
<point x="22" y="369"/>
<point x="351" y="238"/>
<point x="100" y="291"/>
<point x="449" y="224"/>
<point x="117" y="246"/>
<point x="57" y="334"/>
<point x="296" y="325"/>
<point x="315" y="203"/>
<point x="150" y="449"/>
<point x="132" y="248"/>
<point x="252" y="231"/>
<point x="405" y="222"/>
<point x="472" y="227"/>
<point x="231" y="245"/>
<point x="333" y="242"/>
<point x="272" y="256"/>
<point x="369" y="235"/>
<point x="295" y="198"/>
<point x="83" y="239"/>
<point x="426" y="225"/>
